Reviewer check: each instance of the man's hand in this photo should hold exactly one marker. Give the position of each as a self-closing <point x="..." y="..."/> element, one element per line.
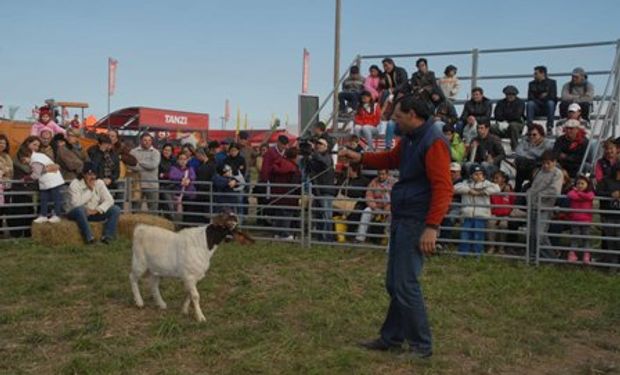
<point x="90" y="183"/>
<point x="615" y="194"/>
<point x="107" y="181"/>
<point x="428" y="241"/>
<point x="90" y="212"/>
<point x="51" y="168"/>
<point x="232" y="183"/>
<point x="350" y="155"/>
<point x="471" y="120"/>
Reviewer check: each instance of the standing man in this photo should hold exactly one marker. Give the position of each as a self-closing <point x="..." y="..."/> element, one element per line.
<point x="148" y="166"/>
<point x="420" y="199"/>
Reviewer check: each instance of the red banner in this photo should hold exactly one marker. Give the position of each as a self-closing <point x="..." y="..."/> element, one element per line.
<point x="111" y="75"/>
<point x="306" y="72"/>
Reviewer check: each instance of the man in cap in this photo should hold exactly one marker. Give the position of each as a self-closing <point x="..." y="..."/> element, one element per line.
<point x="574" y="113"/>
<point x="320" y="170"/>
<point x="571" y="147"/>
<point x="319" y="131"/>
<point x="90" y="200"/>
<point x="509" y="116"/>
<point x="577" y="91"/>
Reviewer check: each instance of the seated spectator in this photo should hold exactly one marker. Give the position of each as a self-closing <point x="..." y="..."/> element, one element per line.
<point x="285" y="171"/>
<point x="475" y="209"/>
<point x="148" y="168"/>
<point x="46" y="148"/>
<point x="542" y="97"/>
<point x="70" y="164"/>
<point x="546" y="186"/>
<point x="509" y="116"/>
<point x="353" y="143"/>
<point x="574" y="113"/>
<point x="46" y="123"/>
<point x="377" y="201"/>
<point x="571" y="147"/>
<point x="605" y="165"/>
<point x="475" y="111"/>
<point x="528" y="154"/>
<point x="183" y="176"/>
<point x="449" y="84"/>
<point x="609" y="188"/>
<point x="422" y="82"/>
<point x="50" y="181"/>
<point x="352" y="87"/>
<point x="581" y="197"/>
<point x="457" y="147"/>
<point x="580" y="91"/>
<point x="393" y="77"/>
<point x="501" y="208"/>
<point x="223" y="186"/>
<point x="90" y="200"/>
<point x="372" y="83"/>
<point x="444" y="112"/>
<point x="367" y="119"/>
<point x="107" y="163"/>
<point x="73" y="144"/>
<point x="23" y="198"/>
<point x="166" y="195"/>
<point x="486" y="149"/>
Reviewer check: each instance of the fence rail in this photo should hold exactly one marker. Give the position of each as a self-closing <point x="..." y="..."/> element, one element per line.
<point x="528" y="231"/>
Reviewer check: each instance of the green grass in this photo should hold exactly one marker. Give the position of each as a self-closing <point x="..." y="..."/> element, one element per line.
<point x="274" y="308"/>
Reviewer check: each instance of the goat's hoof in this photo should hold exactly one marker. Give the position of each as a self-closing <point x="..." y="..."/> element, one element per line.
<point x="201" y="319"/>
<point x="139" y="305"/>
<point x="163" y="307"/>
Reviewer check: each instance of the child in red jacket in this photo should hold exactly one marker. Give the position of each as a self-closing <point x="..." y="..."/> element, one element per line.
<point x="505" y="201"/>
<point x="366" y="119"/>
<point x="581" y="197"/>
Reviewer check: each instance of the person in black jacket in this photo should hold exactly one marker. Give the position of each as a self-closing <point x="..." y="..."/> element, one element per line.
<point x="571" y="147"/>
<point x="487" y="150"/>
<point x="475" y="111"/>
<point x="393" y="77"/>
<point x="542" y="96"/>
<point x="444" y="111"/>
<point x="422" y="82"/>
<point x="609" y="190"/>
<point x="320" y="168"/>
<point x="509" y="116"/>
<point x="106" y="161"/>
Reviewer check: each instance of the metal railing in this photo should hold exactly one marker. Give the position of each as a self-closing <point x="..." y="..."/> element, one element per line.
<point x="530" y="230"/>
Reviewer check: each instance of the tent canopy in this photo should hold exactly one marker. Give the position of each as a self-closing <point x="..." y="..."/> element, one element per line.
<point x="135" y="118"/>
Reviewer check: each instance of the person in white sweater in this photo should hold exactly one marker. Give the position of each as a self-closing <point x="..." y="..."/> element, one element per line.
<point x="475" y="209"/>
<point x="90" y="200"/>
<point x="148" y="167"/>
<point x="50" y="180"/>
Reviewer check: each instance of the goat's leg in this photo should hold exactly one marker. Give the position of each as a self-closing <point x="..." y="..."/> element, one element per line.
<point x="190" y="284"/>
<point x="134" y="277"/>
<point x="188" y="300"/>
<point x="156" y="294"/>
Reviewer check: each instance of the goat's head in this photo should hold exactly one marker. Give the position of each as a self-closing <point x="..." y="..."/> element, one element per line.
<point x="229" y="224"/>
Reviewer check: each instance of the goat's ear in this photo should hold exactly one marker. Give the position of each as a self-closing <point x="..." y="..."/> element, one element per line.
<point x="243" y="238"/>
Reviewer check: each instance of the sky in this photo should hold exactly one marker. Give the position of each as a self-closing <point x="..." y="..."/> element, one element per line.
<point x="193" y="55"/>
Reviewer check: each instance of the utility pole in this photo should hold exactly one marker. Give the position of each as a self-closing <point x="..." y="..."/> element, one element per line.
<point x="336" y="65"/>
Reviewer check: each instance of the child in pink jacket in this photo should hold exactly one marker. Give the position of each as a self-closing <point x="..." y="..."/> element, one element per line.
<point x="581" y="197"/>
<point x="45" y="122"/>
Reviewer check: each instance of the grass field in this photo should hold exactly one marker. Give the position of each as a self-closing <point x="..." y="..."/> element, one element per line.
<point x="275" y="308"/>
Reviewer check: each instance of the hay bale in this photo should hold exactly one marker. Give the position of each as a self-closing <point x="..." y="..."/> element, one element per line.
<point x="128" y="222"/>
<point x="66" y="232"/>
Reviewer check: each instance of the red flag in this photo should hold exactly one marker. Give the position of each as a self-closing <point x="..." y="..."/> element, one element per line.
<point x="111" y="75"/>
<point x="306" y="72"/>
<point x="227" y="111"/>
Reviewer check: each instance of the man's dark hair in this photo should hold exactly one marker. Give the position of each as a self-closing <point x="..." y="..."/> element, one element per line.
<point x="539" y="128"/>
<point x="354" y="69"/>
<point x="485" y="123"/>
<point x="145" y="134"/>
<point x="542" y="69"/>
<point x="449" y="68"/>
<point x="387" y="60"/>
<point x="479" y="89"/>
<point x="421" y="60"/>
<point x="447" y="128"/>
<point x="104" y="138"/>
<point x="167" y="145"/>
<point x="549" y="155"/>
<point x="320" y="125"/>
<point x="408" y="103"/>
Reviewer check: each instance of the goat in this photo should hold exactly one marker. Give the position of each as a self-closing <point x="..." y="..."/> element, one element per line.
<point x="185" y="255"/>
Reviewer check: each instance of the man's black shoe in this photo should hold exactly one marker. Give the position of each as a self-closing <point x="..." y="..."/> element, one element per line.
<point x="90" y="241"/>
<point x="419" y="355"/>
<point x="378" y="344"/>
<point x="105" y="240"/>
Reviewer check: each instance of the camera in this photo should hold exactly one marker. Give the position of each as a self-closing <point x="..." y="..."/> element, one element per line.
<point x="305" y="147"/>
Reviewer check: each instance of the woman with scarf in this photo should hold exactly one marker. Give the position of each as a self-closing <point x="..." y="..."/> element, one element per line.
<point x="571" y="147"/>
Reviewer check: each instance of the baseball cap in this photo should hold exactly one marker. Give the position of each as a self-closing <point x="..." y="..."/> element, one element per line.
<point x="456" y="167"/>
<point x="572" y="123"/>
<point x="476" y="168"/>
<point x="574" y="107"/>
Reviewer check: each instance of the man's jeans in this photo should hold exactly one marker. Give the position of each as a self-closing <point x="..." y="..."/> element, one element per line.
<point x="110" y="217"/>
<point x="406" y="317"/>
<point x="389" y="134"/>
<point x="325" y="214"/>
<point x="537" y="108"/>
<point x="350" y="98"/>
<point x="367" y="132"/>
